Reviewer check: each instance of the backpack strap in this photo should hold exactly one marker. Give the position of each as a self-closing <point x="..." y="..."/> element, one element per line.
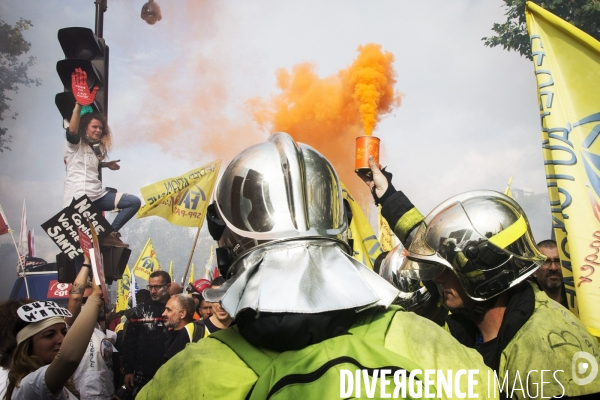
<point x="373" y="323"/>
<point x="257" y="359"/>
<point x="199" y="331"/>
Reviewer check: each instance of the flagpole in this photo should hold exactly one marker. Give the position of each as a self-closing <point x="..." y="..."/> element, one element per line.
<point x="187" y="267"/>
<point x="16" y="249"/>
<point x="24" y="259"/>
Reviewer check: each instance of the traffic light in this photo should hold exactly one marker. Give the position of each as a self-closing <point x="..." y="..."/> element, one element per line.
<point x="82" y="50"/>
<point x="115" y="260"/>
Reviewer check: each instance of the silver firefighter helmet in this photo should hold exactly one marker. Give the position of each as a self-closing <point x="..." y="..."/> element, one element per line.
<point x="482" y="236"/>
<point x="279" y="190"/>
<point x="279" y="211"/>
<point x="412" y="293"/>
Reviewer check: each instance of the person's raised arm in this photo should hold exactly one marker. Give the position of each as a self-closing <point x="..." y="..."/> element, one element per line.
<point x="75" y="343"/>
<point x="74" y="122"/>
<point x="83" y="97"/>
<point x="396" y="208"/>
<point x="379" y="181"/>
<point x="76" y="293"/>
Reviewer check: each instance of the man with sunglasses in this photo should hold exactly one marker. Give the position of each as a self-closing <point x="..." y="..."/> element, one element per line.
<point x="143" y="346"/>
<point x="549" y="275"/>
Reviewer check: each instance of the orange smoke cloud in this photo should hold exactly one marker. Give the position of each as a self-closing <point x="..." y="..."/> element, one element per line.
<point x="373" y="79"/>
<point x="187" y="106"/>
<point x="329" y="113"/>
<point x="199" y="123"/>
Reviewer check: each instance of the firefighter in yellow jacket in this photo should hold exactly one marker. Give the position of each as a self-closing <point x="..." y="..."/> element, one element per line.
<point x="478" y="249"/>
<point x="304" y="308"/>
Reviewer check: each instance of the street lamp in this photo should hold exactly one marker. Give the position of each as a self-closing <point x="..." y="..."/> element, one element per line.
<point x="151" y="12"/>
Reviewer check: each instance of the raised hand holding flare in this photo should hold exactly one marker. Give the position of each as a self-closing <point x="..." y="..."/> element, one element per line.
<point x="80" y="89"/>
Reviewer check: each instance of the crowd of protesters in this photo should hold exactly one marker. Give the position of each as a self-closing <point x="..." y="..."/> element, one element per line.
<point x="113" y="363"/>
<point x="484" y="298"/>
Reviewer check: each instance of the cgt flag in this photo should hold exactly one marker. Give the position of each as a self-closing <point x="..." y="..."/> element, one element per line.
<point x="567" y="68"/>
<point x="366" y="246"/>
<point x="123" y="290"/>
<point x="181" y="200"/>
<point x="147" y="262"/>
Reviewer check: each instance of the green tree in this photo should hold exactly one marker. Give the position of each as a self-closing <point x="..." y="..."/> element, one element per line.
<point x="13" y="70"/>
<point x="512" y="34"/>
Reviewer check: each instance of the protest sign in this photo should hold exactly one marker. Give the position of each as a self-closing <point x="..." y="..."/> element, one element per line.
<point x="97" y="265"/>
<point x="62" y="228"/>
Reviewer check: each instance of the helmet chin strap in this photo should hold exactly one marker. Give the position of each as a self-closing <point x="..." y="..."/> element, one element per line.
<point x="476" y="311"/>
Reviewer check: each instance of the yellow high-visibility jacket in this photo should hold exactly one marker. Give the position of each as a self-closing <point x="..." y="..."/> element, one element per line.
<point x="211" y="369"/>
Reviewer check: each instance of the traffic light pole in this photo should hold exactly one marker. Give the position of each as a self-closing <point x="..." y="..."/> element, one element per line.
<point x="100" y="9"/>
<point x="99" y="31"/>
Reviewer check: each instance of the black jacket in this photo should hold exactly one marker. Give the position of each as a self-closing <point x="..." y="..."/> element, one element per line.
<point x="144" y="342"/>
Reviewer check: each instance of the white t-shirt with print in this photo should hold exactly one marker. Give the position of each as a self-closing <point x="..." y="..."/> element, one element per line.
<point x="93" y="377"/>
<point x="82" y="173"/>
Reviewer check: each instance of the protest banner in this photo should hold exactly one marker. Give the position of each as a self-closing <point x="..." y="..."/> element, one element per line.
<point x="191" y="280"/>
<point x="181" y="200"/>
<point x="97" y="265"/>
<point x="366" y="246"/>
<point x="3" y="222"/>
<point x="147" y="262"/>
<point x="123" y="290"/>
<point x="567" y="68"/>
<point x="62" y="228"/>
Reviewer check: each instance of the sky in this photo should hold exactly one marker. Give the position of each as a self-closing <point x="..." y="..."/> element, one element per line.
<point x="184" y="92"/>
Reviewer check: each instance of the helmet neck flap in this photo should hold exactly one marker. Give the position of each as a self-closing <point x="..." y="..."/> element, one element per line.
<point x="281" y="224"/>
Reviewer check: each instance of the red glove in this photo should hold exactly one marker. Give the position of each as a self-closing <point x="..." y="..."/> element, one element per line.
<point x="80" y="89"/>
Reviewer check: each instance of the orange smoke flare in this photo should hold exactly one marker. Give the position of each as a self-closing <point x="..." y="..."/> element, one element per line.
<point x="329" y="113"/>
<point x="373" y="79"/>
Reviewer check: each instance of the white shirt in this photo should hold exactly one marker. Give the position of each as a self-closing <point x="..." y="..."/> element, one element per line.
<point x="3" y="382"/>
<point x="93" y="378"/>
<point x="33" y="387"/>
<point x="82" y="173"/>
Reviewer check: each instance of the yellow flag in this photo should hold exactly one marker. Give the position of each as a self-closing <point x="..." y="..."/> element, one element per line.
<point x="567" y="68"/>
<point x="181" y="200"/>
<point x="171" y="271"/>
<point x="147" y="262"/>
<point x="209" y="268"/>
<point x="123" y="290"/>
<point x="507" y="191"/>
<point x="366" y="245"/>
<point x="191" y="280"/>
<point x="387" y="238"/>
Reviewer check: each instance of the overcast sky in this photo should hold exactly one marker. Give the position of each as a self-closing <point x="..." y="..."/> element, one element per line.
<point x="179" y="91"/>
